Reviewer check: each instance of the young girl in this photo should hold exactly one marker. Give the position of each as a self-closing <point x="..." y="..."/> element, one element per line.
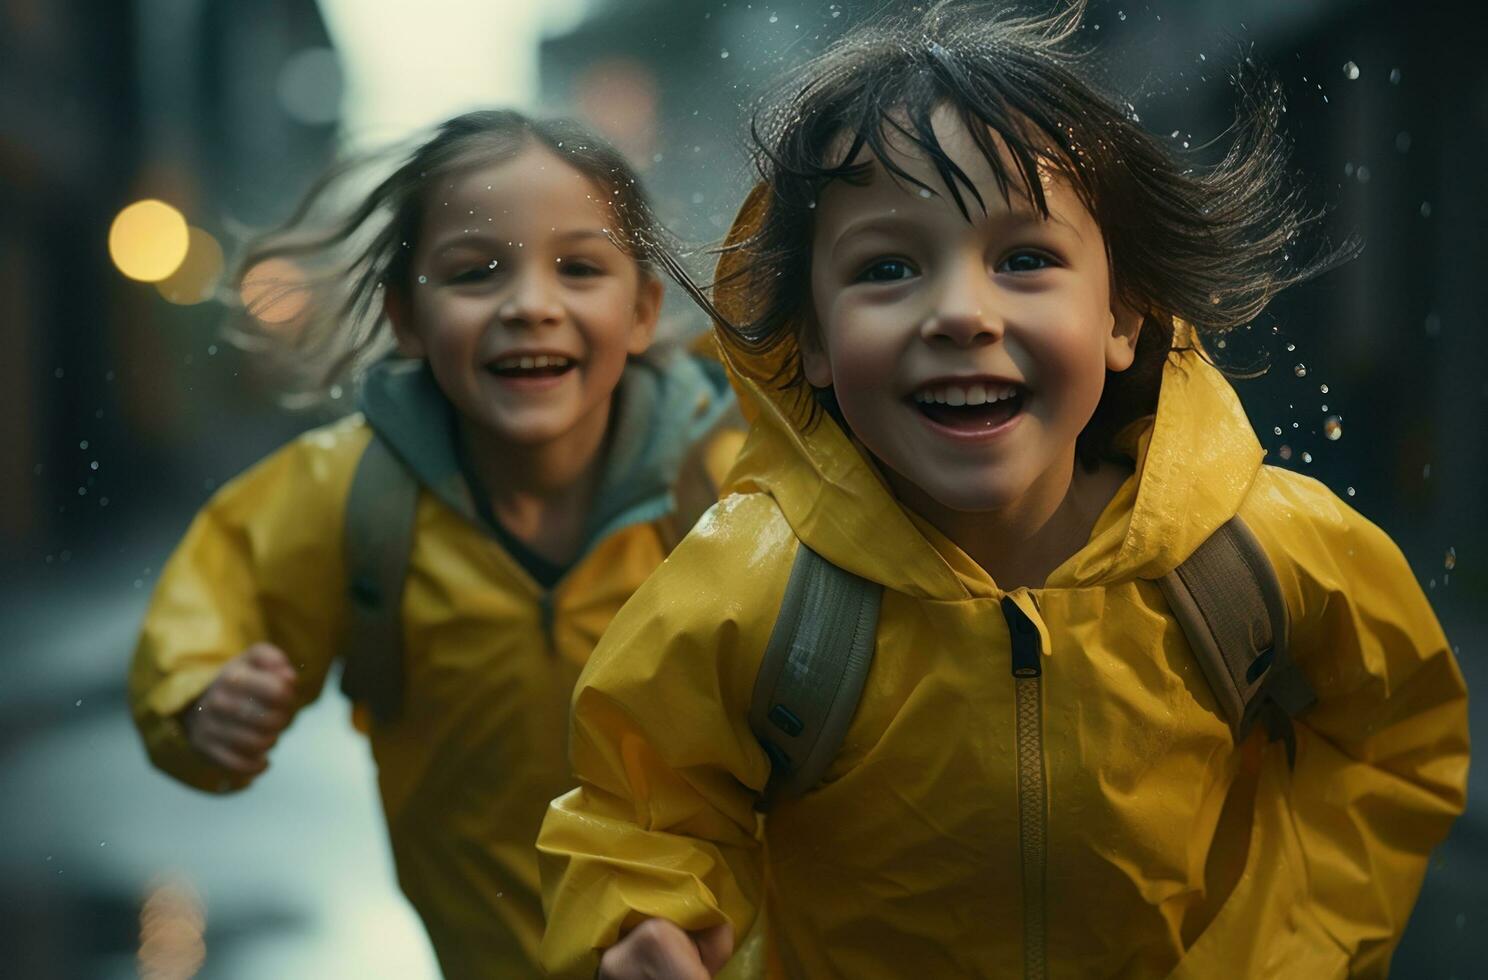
<point x="996" y="285"/>
<point x="514" y="476"/>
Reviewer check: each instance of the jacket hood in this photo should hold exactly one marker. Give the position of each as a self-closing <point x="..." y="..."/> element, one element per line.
<point x="665" y="402"/>
<point x="1194" y="462"/>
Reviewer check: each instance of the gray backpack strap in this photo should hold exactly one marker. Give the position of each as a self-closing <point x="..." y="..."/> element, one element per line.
<point x="813" y="671"/>
<point x="1229" y="603"/>
<point x="380" y="513"/>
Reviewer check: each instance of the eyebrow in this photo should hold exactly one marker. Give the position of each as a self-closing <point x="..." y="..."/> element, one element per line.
<point x="483" y="239"/>
<point x="891" y="223"/>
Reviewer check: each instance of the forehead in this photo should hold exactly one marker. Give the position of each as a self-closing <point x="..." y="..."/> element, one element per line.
<point x="884" y="188"/>
<point x="535" y="185"/>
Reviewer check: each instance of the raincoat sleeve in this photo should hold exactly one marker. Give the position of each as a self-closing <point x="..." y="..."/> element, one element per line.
<point x="662" y="823"/>
<point x="1381" y="765"/>
<point x="260" y="563"/>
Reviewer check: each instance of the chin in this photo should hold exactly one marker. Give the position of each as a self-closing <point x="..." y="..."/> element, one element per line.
<point x="974" y="496"/>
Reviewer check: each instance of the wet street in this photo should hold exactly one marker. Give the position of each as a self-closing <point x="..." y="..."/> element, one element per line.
<point x="293" y="877"/>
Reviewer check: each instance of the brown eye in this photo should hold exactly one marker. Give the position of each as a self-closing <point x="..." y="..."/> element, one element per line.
<point x="886" y="270"/>
<point x="1026" y="261"/>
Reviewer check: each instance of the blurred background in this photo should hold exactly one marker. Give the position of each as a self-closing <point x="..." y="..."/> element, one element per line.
<point x="122" y="408"/>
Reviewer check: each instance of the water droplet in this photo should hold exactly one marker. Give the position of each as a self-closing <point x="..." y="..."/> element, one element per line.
<point x="83" y="444"/>
<point x="1333" y="428"/>
<point x="103" y="843"/>
<point x="1121" y="15"/>
<point x="1291" y="347"/>
<point x="1425" y="209"/>
<point x="1350" y="70"/>
<point x="723" y="53"/>
<point x="774" y="18"/>
<point x="1323" y="389"/>
<point x="423" y="279"/>
<point x="1348" y="169"/>
<point x="1285" y="452"/>
<point x="924" y="192"/>
<point x="1276" y="430"/>
<point x="79" y="702"/>
<point x="1394" y="76"/>
<point x="1451" y="561"/>
<point x="1363" y="174"/>
<point x="1300" y="370"/>
<point x="1426" y="472"/>
<point x="1351" y="491"/>
<point x="1307" y="457"/>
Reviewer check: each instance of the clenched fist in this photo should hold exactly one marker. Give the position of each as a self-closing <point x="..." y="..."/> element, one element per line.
<point x="659" y="950"/>
<point x="239" y="717"/>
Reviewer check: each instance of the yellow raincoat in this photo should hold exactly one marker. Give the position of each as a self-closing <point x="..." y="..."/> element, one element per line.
<point x="468" y="769"/>
<point x="1169" y="851"/>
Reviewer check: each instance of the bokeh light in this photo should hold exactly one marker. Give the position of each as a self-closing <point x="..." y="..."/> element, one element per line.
<point x="148" y="240"/>
<point x="275" y="291"/>
<point x="195" y="279"/>
<point x="309" y="87"/>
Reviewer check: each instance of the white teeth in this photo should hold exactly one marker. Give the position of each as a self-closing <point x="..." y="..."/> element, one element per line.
<point x="971" y="394"/>
<point x="530" y="361"/>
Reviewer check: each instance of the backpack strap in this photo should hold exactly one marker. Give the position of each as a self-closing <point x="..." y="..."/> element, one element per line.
<point x="812" y="675"/>
<point x="1226" y="598"/>
<point x="380" y="513"/>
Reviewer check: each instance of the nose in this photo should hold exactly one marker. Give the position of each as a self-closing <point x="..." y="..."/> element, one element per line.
<point x="965" y="310"/>
<point x="531" y="300"/>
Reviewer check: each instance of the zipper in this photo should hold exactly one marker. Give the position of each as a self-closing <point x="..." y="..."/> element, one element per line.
<point x="1033" y="790"/>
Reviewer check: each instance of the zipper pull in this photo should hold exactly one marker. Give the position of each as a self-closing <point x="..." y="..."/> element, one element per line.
<point x="1025" y="640"/>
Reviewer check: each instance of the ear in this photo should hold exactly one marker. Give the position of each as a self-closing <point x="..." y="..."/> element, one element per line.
<point x="1121" y="344"/>
<point x="647" y="313"/>
<point x="815" y="363"/>
<point x="395" y="308"/>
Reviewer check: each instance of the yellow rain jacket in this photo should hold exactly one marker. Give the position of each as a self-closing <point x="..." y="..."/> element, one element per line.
<point x="467" y="770"/>
<point x="1169" y="850"/>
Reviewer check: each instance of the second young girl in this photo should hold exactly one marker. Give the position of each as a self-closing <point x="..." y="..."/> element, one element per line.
<point x="990" y="455"/>
<point x="513" y="476"/>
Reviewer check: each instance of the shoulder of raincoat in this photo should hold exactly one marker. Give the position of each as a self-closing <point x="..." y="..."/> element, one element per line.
<point x="1114" y="828"/>
<point x="491" y="656"/>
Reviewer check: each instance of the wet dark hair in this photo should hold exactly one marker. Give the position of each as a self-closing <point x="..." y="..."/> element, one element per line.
<point x="344" y="256"/>
<point x="1205" y="245"/>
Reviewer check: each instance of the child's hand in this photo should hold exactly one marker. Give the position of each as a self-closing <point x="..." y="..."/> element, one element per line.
<point x="659" y="950"/>
<point x="238" y="719"/>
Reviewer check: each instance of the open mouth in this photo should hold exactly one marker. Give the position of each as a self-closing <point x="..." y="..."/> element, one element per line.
<point x="970" y="407"/>
<point x="531" y="366"/>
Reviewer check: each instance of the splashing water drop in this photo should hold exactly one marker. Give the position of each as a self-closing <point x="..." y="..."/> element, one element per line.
<point x="1333" y="428"/>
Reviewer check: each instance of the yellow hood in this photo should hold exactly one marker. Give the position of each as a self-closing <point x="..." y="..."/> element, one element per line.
<point x="1195" y="463"/>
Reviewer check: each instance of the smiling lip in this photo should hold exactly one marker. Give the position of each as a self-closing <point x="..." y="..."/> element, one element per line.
<point x="531" y="360"/>
<point x="969" y="408"/>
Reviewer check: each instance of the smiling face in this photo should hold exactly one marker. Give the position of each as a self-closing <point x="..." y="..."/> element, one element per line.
<point x="967" y="356"/>
<point x="523" y="306"/>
